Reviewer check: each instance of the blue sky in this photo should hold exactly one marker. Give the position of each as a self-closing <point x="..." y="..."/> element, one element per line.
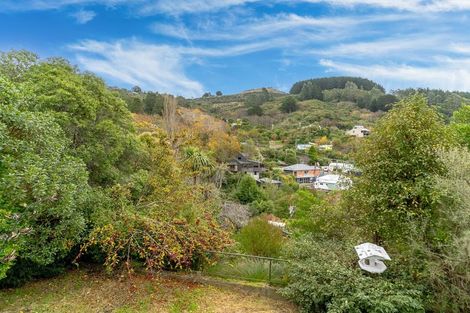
<point x="188" y="47"/>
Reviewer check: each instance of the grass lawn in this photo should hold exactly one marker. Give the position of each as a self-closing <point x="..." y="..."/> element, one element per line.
<point x="91" y="291"/>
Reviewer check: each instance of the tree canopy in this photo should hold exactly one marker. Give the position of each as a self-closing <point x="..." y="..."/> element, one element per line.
<point x="397" y="162"/>
<point x="327" y="83"/>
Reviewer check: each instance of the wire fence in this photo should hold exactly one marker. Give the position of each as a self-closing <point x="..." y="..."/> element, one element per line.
<point x="247" y="267"/>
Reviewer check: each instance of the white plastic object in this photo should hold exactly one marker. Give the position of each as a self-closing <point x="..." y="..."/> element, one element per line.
<point x="371" y="257"/>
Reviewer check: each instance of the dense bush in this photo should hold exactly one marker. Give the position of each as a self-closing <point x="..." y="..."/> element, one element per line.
<point x="446" y="102"/>
<point x="460" y="125"/>
<point x="247" y="190"/>
<point x="289" y="105"/>
<point x="259" y="237"/>
<point x="373" y="100"/>
<point x="74" y="172"/>
<point x="324" y="277"/>
<point x="327" y="83"/>
<point x="448" y="264"/>
<point x="43" y="188"/>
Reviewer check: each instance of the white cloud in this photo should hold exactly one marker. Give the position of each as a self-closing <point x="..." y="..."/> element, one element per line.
<point x="172" y="7"/>
<point x="444" y="73"/>
<point x="29" y="5"/>
<point x="419" y="6"/>
<point x="239" y="49"/>
<point x="198" y="6"/>
<point x="83" y="16"/>
<point x="188" y="6"/>
<point x="408" y="47"/>
<point x="280" y="24"/>
<point x="153" y="67"/>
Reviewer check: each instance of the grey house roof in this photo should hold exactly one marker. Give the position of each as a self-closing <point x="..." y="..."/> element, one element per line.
<point x="299" y="167"/>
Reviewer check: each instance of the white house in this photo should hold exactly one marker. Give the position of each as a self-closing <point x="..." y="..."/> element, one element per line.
<point x="358" y="131"/>
<point x="303" y="146"/>
<point x="339" y="166"/>
<point x="332" y="182"/>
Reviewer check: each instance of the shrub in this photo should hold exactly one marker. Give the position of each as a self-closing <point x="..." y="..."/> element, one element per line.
<point x="43" y="189"/>
<point x="321" y="279"/>
<point x="262" y="206"/>
<point x="248" y="191"/>
<point x="289" y="105"/>
<point x="259" y="237"/>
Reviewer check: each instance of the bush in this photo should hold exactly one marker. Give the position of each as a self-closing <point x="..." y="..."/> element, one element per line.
<point x="289" y="105"/>
<point x="248" y="191"/>
<point x="43" y="188"/>
<point x="321" y="279"/>
<point x="262" y="206"/>
<point x="261" y="238"/>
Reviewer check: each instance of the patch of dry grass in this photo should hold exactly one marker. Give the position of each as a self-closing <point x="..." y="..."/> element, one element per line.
<point x="87" y="291"/>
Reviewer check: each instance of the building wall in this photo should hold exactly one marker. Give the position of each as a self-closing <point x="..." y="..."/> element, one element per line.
<point x="307" y="173"/>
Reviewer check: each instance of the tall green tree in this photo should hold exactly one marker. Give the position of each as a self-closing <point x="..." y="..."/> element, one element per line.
<point x="136" y="105"/>
<point x="313" y="155"/>
<point x="461" y="125"/>
<point x="395" y="195"/>
<point x="43" y="188"/>
<point x="153" y="103"/>
<point x="94" y="119"/>
<point x="14" y="64"/>
<point x="310" y="90"/>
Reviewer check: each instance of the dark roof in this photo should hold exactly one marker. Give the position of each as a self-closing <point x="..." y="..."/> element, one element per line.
<point x="241" y="159"/>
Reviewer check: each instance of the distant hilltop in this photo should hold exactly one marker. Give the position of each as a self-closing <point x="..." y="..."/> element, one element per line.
<point x="268" y="89"/>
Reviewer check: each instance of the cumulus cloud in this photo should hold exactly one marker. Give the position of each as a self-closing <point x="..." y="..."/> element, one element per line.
<point x="151" y="66"/>
<point x="446" y="73"/>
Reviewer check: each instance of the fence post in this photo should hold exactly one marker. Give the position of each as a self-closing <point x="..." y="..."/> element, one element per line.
<point x="269" y="279"/>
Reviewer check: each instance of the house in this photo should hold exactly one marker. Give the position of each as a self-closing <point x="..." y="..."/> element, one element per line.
<point x="339" y="166"/>
<point x="332" y="182"/>
<point x="241" y="164"/>
<point x="303" y="173"/>
<point x="303" y="146"/>
<point x="358" y="131"/>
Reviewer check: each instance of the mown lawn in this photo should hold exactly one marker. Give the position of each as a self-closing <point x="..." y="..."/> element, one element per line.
<point x="91" y="291"/>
